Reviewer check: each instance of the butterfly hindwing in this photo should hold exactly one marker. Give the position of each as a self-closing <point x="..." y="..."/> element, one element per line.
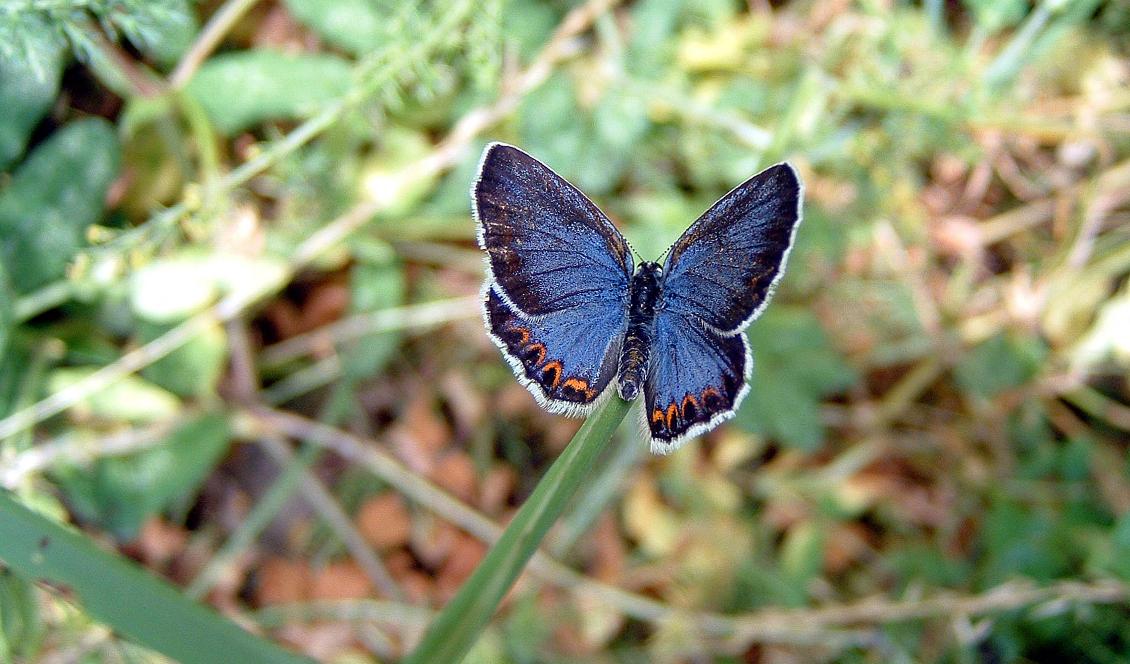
<point x="697" y="379"/>
<point x="556" y="294"/>
<point x="724" y="267"/>
<point x="566" y="360"/>
<point x="548" y="246"/>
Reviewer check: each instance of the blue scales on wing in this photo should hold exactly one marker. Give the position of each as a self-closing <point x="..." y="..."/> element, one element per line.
<point x="697" y="379"/>
<point x="557" y="289"/>
<point x="719" y="276"/>
<point x="723" y="269"/>
<point x="566" y="358"/>
<point x="549" y="247"/>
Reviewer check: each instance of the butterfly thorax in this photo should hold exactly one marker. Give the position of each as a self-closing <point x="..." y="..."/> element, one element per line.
<point x="643" y="294"/>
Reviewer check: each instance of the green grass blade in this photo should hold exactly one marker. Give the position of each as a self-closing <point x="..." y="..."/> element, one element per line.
<point x="457" y="627"/>
<point x="123" y="596"/>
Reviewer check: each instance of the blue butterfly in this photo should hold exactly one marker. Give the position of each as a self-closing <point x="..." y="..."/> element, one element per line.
<point x="570" y="313"/>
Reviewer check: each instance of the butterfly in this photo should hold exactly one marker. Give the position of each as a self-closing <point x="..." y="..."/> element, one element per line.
<point x="571" y="313"/>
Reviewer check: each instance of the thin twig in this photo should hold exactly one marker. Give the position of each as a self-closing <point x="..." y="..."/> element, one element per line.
<point x="77" y="447"/>
<point x="326" y="506"/>
<point x="218" y="25"/>
<point x="411" y="316"/>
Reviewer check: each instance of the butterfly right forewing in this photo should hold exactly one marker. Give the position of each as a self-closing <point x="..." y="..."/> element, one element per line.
<point x="718" y="277"/>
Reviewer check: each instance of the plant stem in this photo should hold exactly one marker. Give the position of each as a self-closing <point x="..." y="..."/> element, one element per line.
<point x="458" y="626"/>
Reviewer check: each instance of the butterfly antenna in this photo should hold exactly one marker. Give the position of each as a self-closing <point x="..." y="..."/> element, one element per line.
<point x="639" y="259"/>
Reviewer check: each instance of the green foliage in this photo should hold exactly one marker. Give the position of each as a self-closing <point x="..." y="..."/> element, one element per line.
<point x="1000" y="363"/>
<point x="121" y="493"/>
<point x="7" y="305"/>
<point x="377" y="283"/>
<point x="131" y="399"/>
<point x="358" y="26"/>
<point x="242" y="89"/>
<point x="785" y="395"/>
<point x="993" y="15"/>
<point x="26" y="94"/>
<point x="32" y="32"/>
<point x="21" y="629"/>
<point x="52" y="198"/>
<point x="590" y="149"/>
<point x="193" y="370"/>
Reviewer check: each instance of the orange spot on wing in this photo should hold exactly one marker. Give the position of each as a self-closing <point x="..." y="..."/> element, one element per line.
<point x="694" y="404"/>
<point x="709" y="392"/>
<point x="556" y="368"/>
<point x="538" y="348"/>
<point x="580" y="385"/>
<point x="672" y="415"/>
<point x="523" y="334"/>
<point x="657" y="416"/>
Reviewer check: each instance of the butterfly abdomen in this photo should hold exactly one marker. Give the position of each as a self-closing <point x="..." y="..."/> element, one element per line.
<point x="636" y="350"/>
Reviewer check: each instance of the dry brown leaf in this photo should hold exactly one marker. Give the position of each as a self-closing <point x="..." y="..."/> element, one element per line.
<point x="455" y="472"/>
<point x="158" y="543"/>
<point x="433" y="540"/>
<point x="466" y="554"/>
<point x="384" y="521"/>
<point x="420" y="434"/>
<point x="282" y="581"/>
<point x="341" y="580"/>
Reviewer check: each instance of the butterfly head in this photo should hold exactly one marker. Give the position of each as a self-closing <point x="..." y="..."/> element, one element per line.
<point x="648" y="271"/>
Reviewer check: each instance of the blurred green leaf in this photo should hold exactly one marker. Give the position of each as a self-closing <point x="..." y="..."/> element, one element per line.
<point x="1119" y="560"/>
<point x="525" y="630"/>
<point x="376" y="283"/>
<point x="131" y="399"/>
<point x="26" y="94"/>
<point x="120" y="493"/>
<point x="1001" y="363"/>
<point x="794" y="367"/>
<point x="193" y="370"/>
<point x="527" y="25"/>
<point x="802" y="552"/>
<point x="169" y="33"/>
<point x="590" y="148"/>
<point x="241" y="89"/>
<point x="171" y="289"/>
<point x="21" y="628"/>
<point x="1023" y="540"/>
<point x="7" y="302"/>
<point x="53" y="197"/>
<point x="654" y="23"/>
<point x="355" y="25"/>
<point x="995" y="15"/>
<point x="1107" y="340"/>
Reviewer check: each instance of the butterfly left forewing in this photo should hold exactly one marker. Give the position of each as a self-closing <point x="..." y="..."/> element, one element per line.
<point x="697" y="380"/>
<point x="548" y="247"/>
<point x="555" y="297"/>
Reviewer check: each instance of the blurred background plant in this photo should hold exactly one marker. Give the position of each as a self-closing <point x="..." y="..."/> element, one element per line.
<point x="241" y="343"/>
